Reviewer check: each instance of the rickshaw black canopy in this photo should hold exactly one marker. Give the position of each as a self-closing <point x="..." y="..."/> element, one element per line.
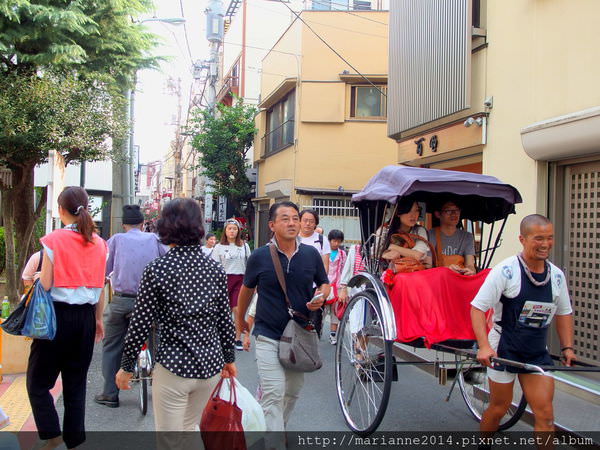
<point x="482" y="197"/>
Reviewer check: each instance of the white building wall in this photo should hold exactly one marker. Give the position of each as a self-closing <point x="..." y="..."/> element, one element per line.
<point x="98" y="175"/>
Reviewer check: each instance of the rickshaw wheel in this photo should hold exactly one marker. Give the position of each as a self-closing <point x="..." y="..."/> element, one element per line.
<point x="474" y="387"/>
<point x="363" y="364"/>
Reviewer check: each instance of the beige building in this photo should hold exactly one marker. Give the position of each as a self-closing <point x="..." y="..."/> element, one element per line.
<point x="322" y="126"/>
<point x="510" y="89"/>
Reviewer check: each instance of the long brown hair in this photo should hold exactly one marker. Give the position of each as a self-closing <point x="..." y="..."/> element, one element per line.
<point x="238" y="238"/>
<point x="74" y="200"/>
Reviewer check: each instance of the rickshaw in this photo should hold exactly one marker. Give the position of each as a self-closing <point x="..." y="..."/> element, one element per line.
<point x="365" y="365"/>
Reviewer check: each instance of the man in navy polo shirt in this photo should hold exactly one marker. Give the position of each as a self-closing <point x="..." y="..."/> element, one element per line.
<point x="302" y="266"/>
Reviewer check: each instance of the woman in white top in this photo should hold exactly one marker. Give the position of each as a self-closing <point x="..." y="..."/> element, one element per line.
<point x="233" y="254"/>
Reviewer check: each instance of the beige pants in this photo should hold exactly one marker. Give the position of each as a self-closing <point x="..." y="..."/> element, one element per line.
<point x="281" y="387"/>
<point x="178" y="402"/>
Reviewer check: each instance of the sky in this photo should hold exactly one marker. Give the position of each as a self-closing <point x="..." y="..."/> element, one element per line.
<point x="155" y="109"/>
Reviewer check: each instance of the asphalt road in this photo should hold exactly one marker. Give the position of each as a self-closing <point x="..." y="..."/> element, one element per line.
<point x="417" y="402"/>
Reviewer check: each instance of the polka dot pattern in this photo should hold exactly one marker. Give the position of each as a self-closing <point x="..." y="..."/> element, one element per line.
<point x="185" y="293"/>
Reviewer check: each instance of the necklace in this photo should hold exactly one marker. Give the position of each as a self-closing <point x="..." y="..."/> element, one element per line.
<point x="530" y="276"/>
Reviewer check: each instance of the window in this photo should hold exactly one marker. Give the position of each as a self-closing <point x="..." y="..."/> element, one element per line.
<point x="280" y="124"/>
<point x="337" y="213"/>
<point x="368" y="102"/>
<point x="342" y="5"/>
<point x="328" y="5"/>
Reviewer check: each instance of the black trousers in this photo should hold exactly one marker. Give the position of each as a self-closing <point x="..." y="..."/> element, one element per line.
<point x="68" y="354"/>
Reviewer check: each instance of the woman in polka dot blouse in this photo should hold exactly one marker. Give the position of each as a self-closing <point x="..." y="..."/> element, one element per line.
<point x="186" y="294"/>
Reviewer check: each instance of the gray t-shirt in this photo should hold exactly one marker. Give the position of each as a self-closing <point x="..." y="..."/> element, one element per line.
<point x="460" y="243"/>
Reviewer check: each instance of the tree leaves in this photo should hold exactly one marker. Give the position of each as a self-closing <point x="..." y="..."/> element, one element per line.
<point x="223" y="142"/>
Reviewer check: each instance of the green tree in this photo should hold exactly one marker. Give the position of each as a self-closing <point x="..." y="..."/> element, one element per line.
<point x="64" y="68"/>
<point x="222" y="142"/>
<point x="74" y="117"/>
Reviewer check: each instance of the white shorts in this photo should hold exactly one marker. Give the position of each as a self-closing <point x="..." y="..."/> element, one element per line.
<point x="500" y="376"/>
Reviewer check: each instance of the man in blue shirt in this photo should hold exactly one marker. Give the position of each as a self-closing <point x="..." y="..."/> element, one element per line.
<point x="302" y="266"/>
<point x="128" y="254"/>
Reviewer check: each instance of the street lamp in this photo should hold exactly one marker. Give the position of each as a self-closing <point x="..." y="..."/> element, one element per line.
<point x="169" y="20"/>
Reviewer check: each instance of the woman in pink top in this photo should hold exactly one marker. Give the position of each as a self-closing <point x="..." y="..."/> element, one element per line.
<point x="73" y="271"/>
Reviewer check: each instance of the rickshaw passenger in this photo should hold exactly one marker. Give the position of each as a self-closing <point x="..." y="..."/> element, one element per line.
<point x="408" y="243"/>
<point x="454" y="247"/>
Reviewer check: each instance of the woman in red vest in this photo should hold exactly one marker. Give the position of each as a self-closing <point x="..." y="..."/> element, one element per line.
<point x="73" y="271"/>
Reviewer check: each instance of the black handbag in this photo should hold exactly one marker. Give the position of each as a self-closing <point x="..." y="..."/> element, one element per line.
<point x="14" y="323"/>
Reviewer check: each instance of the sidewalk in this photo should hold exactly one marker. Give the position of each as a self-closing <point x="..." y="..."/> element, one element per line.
<point x="15" y="402"/>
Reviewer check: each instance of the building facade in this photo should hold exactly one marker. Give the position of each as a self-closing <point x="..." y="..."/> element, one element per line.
<point x="508" y="89"/>
<point x="322" y="121"/>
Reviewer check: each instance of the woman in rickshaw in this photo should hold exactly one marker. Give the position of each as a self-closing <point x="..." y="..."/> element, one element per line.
<point x="408" y="248"/>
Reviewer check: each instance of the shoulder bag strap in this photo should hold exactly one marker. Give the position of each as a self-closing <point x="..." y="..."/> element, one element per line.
<point x="39" y="267"/>
<point x="279" y="273"/>
<point x="281" y="279"/>
<point x="438" y="245"/>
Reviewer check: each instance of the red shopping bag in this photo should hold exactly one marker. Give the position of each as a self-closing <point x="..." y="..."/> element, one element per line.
<point x="339" y="309"/>
<point x="221" y="424"/>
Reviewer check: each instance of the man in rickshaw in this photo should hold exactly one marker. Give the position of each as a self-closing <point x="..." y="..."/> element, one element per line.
<point x="521" y="290"/>
<point x="453" y="247"/>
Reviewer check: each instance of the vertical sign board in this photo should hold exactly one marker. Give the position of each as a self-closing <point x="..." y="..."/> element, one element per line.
<point x="222" y="212"/>
<point x="55" y="186"/>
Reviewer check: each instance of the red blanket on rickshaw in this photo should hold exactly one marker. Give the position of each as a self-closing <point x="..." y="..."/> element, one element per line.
<point x="434" y="304"/>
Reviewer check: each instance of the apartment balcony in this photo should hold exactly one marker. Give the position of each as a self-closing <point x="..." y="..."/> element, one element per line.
<point x="230" y="88"/>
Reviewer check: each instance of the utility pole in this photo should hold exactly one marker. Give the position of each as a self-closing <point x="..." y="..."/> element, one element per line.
<point x="175" y="89"/>
<point x="214" y="35"/>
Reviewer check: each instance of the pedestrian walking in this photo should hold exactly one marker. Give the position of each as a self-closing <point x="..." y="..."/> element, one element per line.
<point x="186" y="294"/>
<point x="309" y="219"/>
<point x="337" y="259"/>
<point x="525" y="292"/>
<point x="303" y="268"/>
<point x="32" y="269"/>
<point x="128" y="254"/>
<point x="209" y="244"/>
<point x="233" y="253"/>
<point x="73" y="270"/>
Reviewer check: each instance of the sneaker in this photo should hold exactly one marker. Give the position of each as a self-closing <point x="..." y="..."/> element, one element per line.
<point x="333" y="337"/>
<point x="239" y="346"/>
<point x="105" y="400"/>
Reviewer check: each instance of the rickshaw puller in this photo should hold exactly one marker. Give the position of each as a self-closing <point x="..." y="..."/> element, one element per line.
<point x="526" y="292"/>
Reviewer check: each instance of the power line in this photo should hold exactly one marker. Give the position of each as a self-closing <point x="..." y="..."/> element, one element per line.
<point x="332" y="49"/>
<point x="187" y="42"/>
<point x="329" y="25"/>
<point x="263" y="48"/>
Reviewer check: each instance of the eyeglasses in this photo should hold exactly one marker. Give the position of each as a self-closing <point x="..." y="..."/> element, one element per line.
<point x="308" y="221"/>
<point x="451" y="212"/>
<point x="232" y="222"/>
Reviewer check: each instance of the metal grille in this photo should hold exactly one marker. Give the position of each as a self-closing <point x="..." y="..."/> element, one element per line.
<point x="430" y="61"/>
<point x="338" y="214"/>
<point x="583" y="262"/>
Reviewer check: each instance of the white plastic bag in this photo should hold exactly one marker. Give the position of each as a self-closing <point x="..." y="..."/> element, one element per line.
<point x="253" y="418"/>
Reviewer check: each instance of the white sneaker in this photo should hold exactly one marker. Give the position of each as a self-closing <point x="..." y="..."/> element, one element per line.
<point x="333" y="338"/>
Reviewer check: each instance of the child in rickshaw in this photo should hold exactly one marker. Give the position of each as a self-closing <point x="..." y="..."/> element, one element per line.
<point x="454" y="247"/>
<point x="408" y="247"/>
